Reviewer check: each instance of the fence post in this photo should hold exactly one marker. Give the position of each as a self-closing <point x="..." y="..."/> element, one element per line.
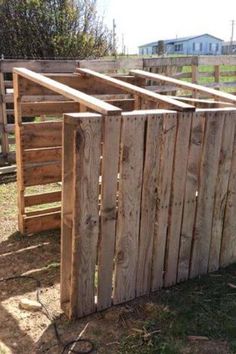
<point x="3" y="116"/>
<point x="195" y="78"/>
<point x="80" y="211"/>
<point x="217" y="76"/>
<point x="19" y="153"/>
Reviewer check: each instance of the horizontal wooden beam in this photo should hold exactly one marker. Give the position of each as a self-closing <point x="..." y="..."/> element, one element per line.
<point x="77" y="96"/>
<point x="203" y="102"/>
<point x="138" y="91"/>
<point x="53" y="107"/>
<point x="185" y="85"/>
<point x="43" y="198"/>
<point x="42" y="222"/>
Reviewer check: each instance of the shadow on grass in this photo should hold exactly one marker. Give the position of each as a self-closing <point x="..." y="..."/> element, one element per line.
<point x="198" y="316"/>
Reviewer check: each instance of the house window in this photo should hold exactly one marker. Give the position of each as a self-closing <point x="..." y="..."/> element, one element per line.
<point x="178" y="47"/>
<point x="217" y="47"/>
<point x="194" y="47"/>
<point x="197" y="47"/>
<point x="154" y="50"/>
<point x="201" y="46"/>
<point x="210" y="47"/>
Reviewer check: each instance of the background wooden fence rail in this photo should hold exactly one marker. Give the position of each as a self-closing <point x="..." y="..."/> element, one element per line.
<point x="157" y="208"/>
<point x="218" y="72"/>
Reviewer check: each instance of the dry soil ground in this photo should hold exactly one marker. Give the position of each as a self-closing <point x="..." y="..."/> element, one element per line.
<point x="165" y="323"/>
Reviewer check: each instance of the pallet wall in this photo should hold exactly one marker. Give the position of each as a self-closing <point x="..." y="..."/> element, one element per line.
<point x="148" y="201"/>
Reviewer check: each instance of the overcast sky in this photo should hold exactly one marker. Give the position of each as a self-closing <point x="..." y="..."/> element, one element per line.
<point x="145" y="21"/>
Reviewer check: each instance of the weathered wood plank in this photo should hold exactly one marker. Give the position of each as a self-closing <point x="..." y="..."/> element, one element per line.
<point x="228" y="249"/>
<point x="221" y="191"/>
<point x="190" y="201"/>
<point x="132" y="150"/>
<point x="86" y="217"/>
<point x="149" y="202"/>
<point x="19" y="154"/>
<point x="42" y="174"/>
<point x="164" y="193"/>
<point x="186" y="85"/>
<point x="177" y="197"/>
<point x="44" y="211"/>
<point x="33" y="224"/>
<point x="43" y="134"/>
<point x="138" y="91"/>
<point x="42" y="155"/>
<point x="66" y="91"/>
<point x="43" y="198"/>
<point x="49" y="108"/>
<point x="206" y="193"/>
<point x="68" y="183"/>
<point x="110" y="162"/>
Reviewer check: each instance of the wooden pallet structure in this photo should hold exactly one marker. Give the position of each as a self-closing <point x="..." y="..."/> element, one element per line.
<point x="220" y="75"/>
<point x="148" y="181"/>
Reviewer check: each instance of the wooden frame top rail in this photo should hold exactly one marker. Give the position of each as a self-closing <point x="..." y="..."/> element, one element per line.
<point x="185" y="85"/>
<point x="138" y="91"/>
<point x="78" y="96"/>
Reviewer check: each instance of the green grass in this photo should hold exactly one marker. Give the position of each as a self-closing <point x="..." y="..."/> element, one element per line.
<point x="203" y="307"/>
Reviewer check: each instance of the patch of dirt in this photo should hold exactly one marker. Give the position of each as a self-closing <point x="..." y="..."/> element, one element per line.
<point x="208" y="347"/>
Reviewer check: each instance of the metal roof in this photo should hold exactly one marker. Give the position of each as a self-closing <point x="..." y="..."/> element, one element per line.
<point x="181" y="39"/>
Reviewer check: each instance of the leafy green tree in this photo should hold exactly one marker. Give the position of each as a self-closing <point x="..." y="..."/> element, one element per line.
<point x="52" y="29"/>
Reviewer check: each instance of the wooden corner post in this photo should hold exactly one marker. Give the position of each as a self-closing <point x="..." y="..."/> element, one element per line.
<point x="19" y="152"/>
<point x="80" y="213"/>
<point x="3" y="116"/>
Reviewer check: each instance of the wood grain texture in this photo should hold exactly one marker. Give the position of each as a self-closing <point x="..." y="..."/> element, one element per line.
<point x="149" y="202"/>
<point x="206" y="193"/>
<point x="42" y="198"/>
<point x="66" y="91"/>
<point x="42" y="222"/>
<point x="138" y="91"/>
<point x="68" y="205"/>
<point x="86" y="216"/>
<point x="177" y="197"/>
<point x="34" y="175"/>
<point x="110" y="162"/>
<point x="42" y="155"/>
<point x="164" y="193"/>
<point x="44" y="134"/>
<point x="228" y="249"/>
<point x="221" y="191"/>
<point x="190" y="200"/>
<point x="130" y="186"/>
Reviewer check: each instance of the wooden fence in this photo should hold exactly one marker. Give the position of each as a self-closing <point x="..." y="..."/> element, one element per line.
<point x="219" y="70"/>
<point x="149" y="200"/>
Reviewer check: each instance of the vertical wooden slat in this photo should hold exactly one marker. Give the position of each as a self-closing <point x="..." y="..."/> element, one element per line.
<point x="110" y="161"/>
<point x="206" y="194"/>
<point x="86" y="217"/>
<point x="19" y="153"/>
<point x="149" y="203"/>
<point x="221" y="191"/>
<point x="130" y="186"/>
<point x="228" y="249"/>
<point x="190" y="201"/>
<point x="178" y="187"/>
<point x="164" y="192"/>
<point x="68" y="182"/>
<point x="3" y="117"/>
